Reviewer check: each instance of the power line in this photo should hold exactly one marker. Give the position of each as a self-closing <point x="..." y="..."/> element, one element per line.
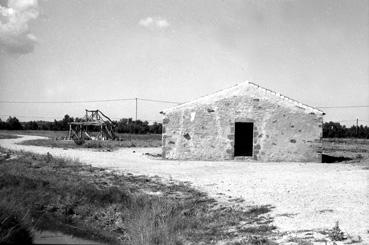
<point x="32" y="116"/>
<point x="160" y="101"/>
<point x="87" y="101"/>
<point x="346" y="120"/>
<point x="62" y="102"/>
<point x="56" y="117"/>
<point x="142" y="99"/>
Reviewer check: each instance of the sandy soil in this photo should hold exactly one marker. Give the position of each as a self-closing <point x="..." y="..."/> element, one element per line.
<point x="306" y="196"/>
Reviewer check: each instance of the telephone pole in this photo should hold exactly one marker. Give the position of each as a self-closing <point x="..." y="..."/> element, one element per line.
<point x="136" y="117"/>
<point x="357" y="127"/>
<point x="136" y="108"/>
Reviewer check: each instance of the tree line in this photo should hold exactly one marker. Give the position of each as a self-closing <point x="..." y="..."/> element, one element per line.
<point x="124" y="125"/>
<point x="127" y="125"/>
<point x="336" y="130"/>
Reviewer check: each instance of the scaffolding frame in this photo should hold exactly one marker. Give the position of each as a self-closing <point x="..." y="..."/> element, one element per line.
<point x="78" y="131"/>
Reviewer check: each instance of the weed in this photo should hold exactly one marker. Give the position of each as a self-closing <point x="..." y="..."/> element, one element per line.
<point x="335" y="234"/>
<point x="48" y="157"/>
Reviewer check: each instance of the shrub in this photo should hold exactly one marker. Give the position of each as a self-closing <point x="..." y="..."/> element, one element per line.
<point x="336" y="234"/>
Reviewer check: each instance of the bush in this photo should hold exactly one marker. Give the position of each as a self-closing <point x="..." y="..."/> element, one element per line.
<point x="13" y="124"/>
<point x="336" y="234"/>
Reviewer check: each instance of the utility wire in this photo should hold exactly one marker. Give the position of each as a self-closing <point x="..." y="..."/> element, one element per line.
<point x="61" y="102"/>
<point x="85" y="101"/>
<point x="160" y="101"/>
<point x="46" y="117"/>
<point x="56" y="117"/>
<point x="142" y="99"/>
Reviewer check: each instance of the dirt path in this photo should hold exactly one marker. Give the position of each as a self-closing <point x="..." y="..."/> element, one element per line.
<point x="306" y="196"/>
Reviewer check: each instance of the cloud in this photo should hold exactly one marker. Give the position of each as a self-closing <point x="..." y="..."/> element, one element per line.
<point x="154" y="22"/>
<point x="15" y="34"/>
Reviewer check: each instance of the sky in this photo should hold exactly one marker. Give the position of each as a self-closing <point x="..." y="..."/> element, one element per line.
<point x="315" y="51"/>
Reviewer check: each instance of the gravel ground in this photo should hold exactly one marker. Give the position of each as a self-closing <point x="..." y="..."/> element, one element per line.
<point x="306" y="196"/>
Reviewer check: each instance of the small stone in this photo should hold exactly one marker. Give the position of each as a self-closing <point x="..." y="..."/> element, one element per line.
<point x="187" y="136"/>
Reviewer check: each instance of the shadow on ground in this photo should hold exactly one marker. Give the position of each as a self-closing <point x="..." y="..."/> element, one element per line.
<point x="332" y="159"/>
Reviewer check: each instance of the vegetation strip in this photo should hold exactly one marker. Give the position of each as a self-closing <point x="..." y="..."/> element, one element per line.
<point x="93" y="144"/>
<point x="7" y="136"/>
<point x="47" y="193"/>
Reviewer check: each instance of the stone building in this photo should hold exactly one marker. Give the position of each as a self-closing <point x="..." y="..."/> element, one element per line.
<point x="245" y="122"/>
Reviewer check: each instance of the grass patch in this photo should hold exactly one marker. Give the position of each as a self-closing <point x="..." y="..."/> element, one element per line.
<point x="63" y="134"/>
<point x="97" y="204"/>
<point x="15" y="228"/>
<point x="107" y="145"/>
<point x="357" y="150"/>
<point x="8" y="136"/>
<point x="45" y="133"/>
<point x="57" y="139"/>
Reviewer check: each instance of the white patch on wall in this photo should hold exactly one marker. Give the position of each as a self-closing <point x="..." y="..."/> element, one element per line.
<point x="193" y="114"/>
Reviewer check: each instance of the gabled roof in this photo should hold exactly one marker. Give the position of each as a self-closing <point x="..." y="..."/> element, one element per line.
<point x="239" y="90"/>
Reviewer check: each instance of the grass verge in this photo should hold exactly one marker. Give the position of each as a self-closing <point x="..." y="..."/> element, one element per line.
<point x="107" y="145"/>
<point x="14" y="229"/>
<point x="57" y="139"/>
<point x="356" y="149"/>
<point x="8" y="136"/>
<point x="97" y="204"/>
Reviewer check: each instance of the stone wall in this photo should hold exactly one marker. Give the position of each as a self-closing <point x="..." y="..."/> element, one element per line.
<point x="283" y="131"/>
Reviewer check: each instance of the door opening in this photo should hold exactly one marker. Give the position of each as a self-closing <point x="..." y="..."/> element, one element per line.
<point x="243" y="138"/>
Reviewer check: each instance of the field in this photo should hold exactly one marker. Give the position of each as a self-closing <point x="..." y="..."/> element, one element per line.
<point x="45" y="133"/>
<point x="57" y="139"/>
<point x="355" y="149"/>
<point x="7" y="136"/>
<point x="97" y="204"/>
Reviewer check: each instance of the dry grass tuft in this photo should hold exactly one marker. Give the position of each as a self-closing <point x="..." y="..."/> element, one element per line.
<point x="77" y="199"/>
<point x="14" y="228"/>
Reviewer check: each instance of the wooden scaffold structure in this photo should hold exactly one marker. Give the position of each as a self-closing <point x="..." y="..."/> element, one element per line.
<point x="79" y="131"/>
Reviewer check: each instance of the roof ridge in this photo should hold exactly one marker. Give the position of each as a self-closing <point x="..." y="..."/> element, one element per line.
<point x="203" y="96"/>
<point x="286" y="98"/>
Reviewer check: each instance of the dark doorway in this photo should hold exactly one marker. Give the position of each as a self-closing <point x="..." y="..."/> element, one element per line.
<point x="243" y="139"/>
<point x="332" y="159"/>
